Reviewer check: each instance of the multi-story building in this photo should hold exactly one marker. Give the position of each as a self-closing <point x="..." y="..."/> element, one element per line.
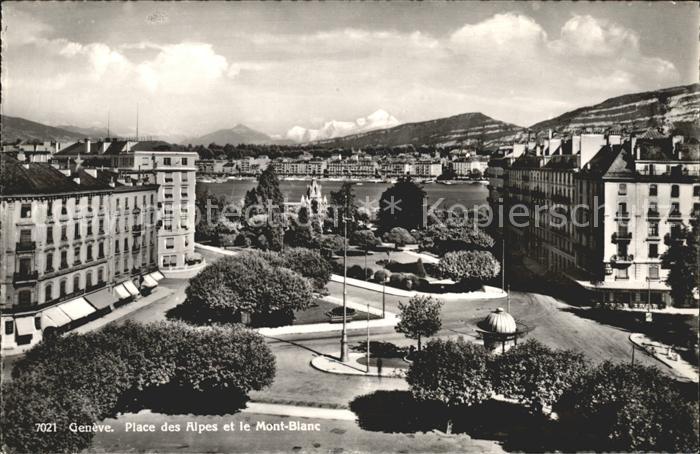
<point x="602" y="210"/>
<point x="427" y="169"/>
<point x="466" y="167"/>
<point x="74" y="243"/>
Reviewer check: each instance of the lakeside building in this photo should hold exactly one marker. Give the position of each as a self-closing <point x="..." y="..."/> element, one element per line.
<point x="466" y="167"/>
<point x="76" y="242"/>
<point x="624" y="201"/>
<point x="426" y="169"/>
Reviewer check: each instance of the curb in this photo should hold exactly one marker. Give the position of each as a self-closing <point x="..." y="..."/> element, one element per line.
<point x="661" y="359"/>
<point x="330" y="365"/>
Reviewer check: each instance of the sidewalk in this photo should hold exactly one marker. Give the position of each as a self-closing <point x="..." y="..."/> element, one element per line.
<point x="660" y="352"/>
<point x="158" y="294"/>
<point x="332" y="365"/>
<point x="262" y="408"/>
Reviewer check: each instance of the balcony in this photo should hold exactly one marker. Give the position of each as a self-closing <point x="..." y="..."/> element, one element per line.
<point x="622" y="215"/>
<point x="621" y="236"/>
<point x="136" y="228"/>
<point x="25" y="277"/>
<point x="622" y="258"/>
<point x="26" y="246"/>
<point x="675" y="214"/>
<point x="653" y="214"/>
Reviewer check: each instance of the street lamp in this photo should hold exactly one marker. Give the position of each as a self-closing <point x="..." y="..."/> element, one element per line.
<point x="344" y="334"/>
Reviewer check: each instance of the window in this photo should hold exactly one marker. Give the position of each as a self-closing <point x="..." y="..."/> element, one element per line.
<point x="168" y="177"/>
<point x="100" y="250"/>
<point x="64" y="207"/>
<point x="126" y="203"/>
<point x="102" y="201"/>
<point x="76" y="255"/>
<point x="653" y="250"/>
<point x="622" y="273"/>
<point x="48" y="292"/>
<point x="62" y="287"/>
<point x="64" y="259"/>
<point x="653" y="229"/>
<point x="100" y="275"/>
<point x="168" y="225"/>
<point x="37" y="323"/>
<point x="89" y="229"/>
<point x="25" y="266"/>
<point x="64" y="233"/>
<point x="24" y="297"/>
<point x="25" y="236"/>
<point x="653" y="271"/>
<point x="622" y="208"/>
<point x="622" y="189"/>
<point x="152" y="199"/>
<point x="622" y="249"/>
<point x="166" y="161"/>
<point x="675" y="207"/>
<point x="26" y="211"/>
<point x="89" y="254"/>
<point x="126" y="265"/>
<point x="116" y="246"/>
<point x="116" y="225"/>
<point x="88" y="279"/>
<point x="101" y="226"/>
<point x="184" y="176"/>
<point x="76" y="282"/>
<point x="126" y="244"/>
<point x="168" y="193"/>
<point x="9" y="327"/>
<point x="674" y="190"/>
<point x="653" y="190"/>
<point x="696" y="191"/>
<point x="184" y="161"/>
<point x="76" y="231"/>
<point x="169" y="243"/>
<point x="49" y="262"/>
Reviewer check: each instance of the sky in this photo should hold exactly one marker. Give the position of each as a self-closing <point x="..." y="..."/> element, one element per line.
<point x="193" y="68"/>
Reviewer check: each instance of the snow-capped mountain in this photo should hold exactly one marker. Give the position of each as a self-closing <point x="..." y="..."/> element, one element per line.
<point x="380" y="119"/>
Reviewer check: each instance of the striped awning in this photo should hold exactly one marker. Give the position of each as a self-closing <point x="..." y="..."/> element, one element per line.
<point x="77" y="308"/>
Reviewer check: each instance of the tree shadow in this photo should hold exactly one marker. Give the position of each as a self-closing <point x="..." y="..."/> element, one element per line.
<point x="381" y="349"/>
<point x="516" y="428"/>
<point x="175" y="400"/>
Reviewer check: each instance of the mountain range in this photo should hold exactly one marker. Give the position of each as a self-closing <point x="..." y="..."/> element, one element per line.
<point x="380" y="119"/>
<point x="668" y="108"/>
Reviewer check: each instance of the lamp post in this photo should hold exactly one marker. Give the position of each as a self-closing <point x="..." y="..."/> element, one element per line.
<point x="503" y="263"/>
<point x="344" y="334"/>
<point x="367" y="337"/>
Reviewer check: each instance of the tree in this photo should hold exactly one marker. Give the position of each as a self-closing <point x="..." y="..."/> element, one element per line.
<point x="419" y="318"/>
<point x="265" y="195"/>
<point x="310" y="264"/>
<point x="399" y="236"/>
<point x="535" y="375"/>
<point x="469" y="266"/>
<point x="681" y="259"/>
<point x="624" y="407"/>
<point x="401" y="206"/>
<point x="331" y="243"/>
<point x="454" y="373"/>
<point x="443" y="238"/>
<point x="343" y="207"/>
<point x="365" y="240"/>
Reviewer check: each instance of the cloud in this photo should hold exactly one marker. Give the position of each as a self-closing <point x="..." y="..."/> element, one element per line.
<point x="507" y="66"/>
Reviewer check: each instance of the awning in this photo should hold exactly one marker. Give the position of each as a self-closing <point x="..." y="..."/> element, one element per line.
<point x="54" y="316"/>
<point x="131" y="288"/>
<point x="122" y="293"/>
<point x="157" y="275"/>
<point x="149" y="282"/>
<point x="25" y="325"/>
<point x="101" y="299"/>
<point x="77" y="308"/>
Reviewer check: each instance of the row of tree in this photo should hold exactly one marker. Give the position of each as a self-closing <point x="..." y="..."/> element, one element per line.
<point x="610" y="407"/>
<point x="85" y="378"/>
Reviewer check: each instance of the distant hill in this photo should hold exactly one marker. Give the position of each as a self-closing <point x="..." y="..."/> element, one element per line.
<point x="456" y="130"/>
<point x="15" y="128"/>
<point x="668" y="107"/>
<point x="237" y="135"/>
<point x="93" y="133"/>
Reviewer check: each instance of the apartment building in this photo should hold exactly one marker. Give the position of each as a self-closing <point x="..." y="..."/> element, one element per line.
<point x="427" y="169"/>
<point x="624" y="201"/>
<point x="75" y="243"/>
<point x="465" y="167"/>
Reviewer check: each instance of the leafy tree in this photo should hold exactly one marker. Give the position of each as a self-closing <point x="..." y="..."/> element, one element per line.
<point x="300" y="236"/>
<point x="419" y="318"/>
<point x="331" y="243"/>
<point x="310" y="264"/>
<point x="682" y="260"/>
<point x="535" y="375"/>
<point x="365" y="240"/>
<point x="443" y="238"/>
<point x="624" y="407"/>
<point x="266" y="194"/>
<point x="454" y="373"/>
<point x="401" y="206"/>
<point x="399" y="236"/>
<point x="343" y="206"/>
<point x="466" y="266"/>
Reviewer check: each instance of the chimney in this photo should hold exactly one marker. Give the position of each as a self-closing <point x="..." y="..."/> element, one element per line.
<point x="87" y="146"/>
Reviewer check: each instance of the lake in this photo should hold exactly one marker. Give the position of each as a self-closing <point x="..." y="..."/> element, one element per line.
<point x="467" y="194"/>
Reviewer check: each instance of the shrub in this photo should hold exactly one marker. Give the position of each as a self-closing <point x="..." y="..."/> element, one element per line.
<point x="535" y="375"/>
<point x="465" y="266"/>
<point x="369" y="272"/>
<point x="630" y="408"/>
<point x="356" y="272"/>
<point x="399" y="236"/>
<point x="381" y="275"/>
<point x="454" y="373"/>
<point x="309" y="264"/>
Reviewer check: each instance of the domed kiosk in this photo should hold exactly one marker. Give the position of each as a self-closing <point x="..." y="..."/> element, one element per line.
<point x="500" y="331"/>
